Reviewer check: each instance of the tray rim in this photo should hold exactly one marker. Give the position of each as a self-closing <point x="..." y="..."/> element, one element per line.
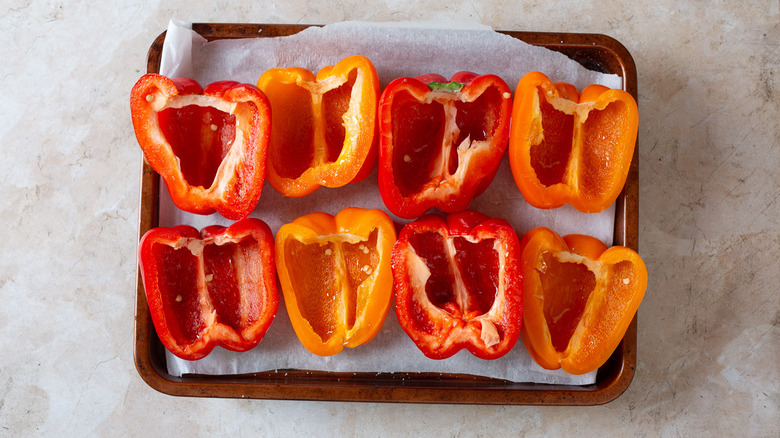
<point x="612" y="379"/>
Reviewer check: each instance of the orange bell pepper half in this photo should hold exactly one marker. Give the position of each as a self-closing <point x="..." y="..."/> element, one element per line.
<point x="324" y="127"/>
<point x="579" y="298"/>
<point x="335" y="276"/>
<point x="573" y="148"/>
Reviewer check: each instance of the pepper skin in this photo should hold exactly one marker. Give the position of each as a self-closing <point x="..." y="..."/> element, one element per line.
<point x="440" y="142"/>
<point x="457" y="285"/>
<point x="216" y="287"/>
<point x="324" y="129"/>
<point x="579" y="297"/>
<point x="571" y="148"/>
<point x="335" y="276"/>
<point x="209" y="145"/>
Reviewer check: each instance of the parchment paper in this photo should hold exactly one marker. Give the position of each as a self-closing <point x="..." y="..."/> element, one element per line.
<point x="396" y="49"/>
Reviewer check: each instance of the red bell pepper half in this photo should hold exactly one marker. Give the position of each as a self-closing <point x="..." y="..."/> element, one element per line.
<point x="458" y="285"/>
<point x="209" y="145"/>
<point x="440" y="142"/>
<point x="216" y="287"/>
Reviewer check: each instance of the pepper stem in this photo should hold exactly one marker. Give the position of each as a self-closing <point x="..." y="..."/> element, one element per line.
<point x="453" y="87"/>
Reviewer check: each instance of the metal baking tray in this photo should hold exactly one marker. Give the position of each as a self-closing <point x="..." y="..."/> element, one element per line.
<point x="596" y="52"/>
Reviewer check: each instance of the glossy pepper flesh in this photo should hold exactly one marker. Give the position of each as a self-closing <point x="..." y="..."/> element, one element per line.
<point x="209" y="288"/>
<point x="335" y="276"/>
<point x="458" y="285"/>
<point x="579" y="297"/>
<point x="324" y="129"/>
<point x="573" y="148"/>
<point x="209" y="145"/>
<point x="441" y="142"/>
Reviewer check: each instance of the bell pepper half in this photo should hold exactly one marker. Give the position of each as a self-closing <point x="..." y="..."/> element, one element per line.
<point x="209" y="145"/>
<point x="579" y="297"/>
<point x="457" y="285"/>
<point x="324" y="127"/>
<point x="441" y="142"/>
<point x="571" y="148"/>
<point x="209" y="288"/>
<point x="335" y="276"/>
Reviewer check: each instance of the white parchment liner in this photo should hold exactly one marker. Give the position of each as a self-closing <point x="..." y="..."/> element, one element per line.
<point x="396" y="49"/>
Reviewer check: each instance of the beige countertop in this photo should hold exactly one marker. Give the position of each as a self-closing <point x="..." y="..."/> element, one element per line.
<point x="709" y="227"/>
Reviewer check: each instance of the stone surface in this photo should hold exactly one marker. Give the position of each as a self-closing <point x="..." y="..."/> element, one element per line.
<point x="709" y="229"/>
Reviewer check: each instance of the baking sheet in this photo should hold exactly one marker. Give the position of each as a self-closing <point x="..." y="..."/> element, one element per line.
<point x="400" y="49"/>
